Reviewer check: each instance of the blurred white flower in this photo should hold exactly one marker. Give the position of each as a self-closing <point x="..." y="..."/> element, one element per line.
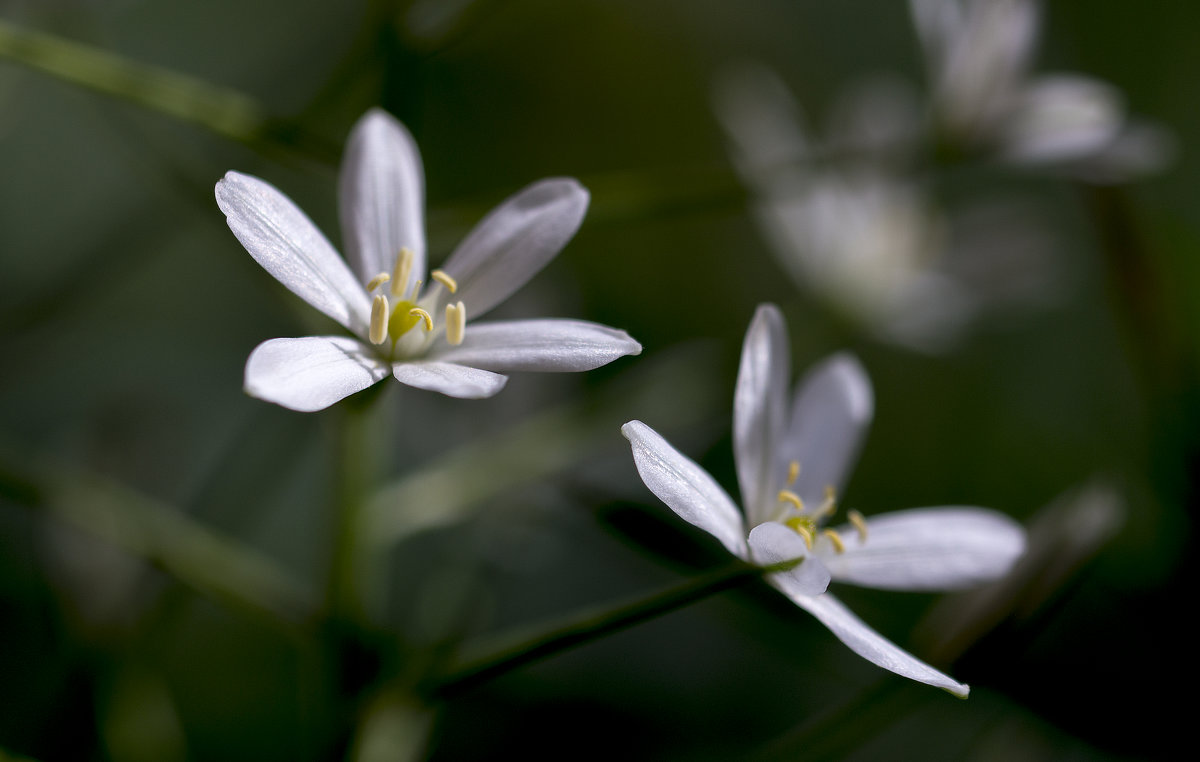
<point x="418" y="335"/>
<point x="847" y="223"/>
<point x="791" y="459"/>
<point x="979" y="54"/>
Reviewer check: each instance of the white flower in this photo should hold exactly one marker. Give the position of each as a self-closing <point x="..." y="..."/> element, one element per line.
<point x="847" y="222"/>
<point x="791" y="459"/>
<point x="979" y="54"/>
<point x="420" y="336"/>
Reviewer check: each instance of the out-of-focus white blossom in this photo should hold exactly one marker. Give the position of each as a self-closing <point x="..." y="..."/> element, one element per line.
<point x="979" y="54"/>
<point x="846" y="219"/>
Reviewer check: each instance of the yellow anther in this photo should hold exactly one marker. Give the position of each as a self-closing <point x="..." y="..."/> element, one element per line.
<point x="426" y="318"/>
<point x="787" y="496"/>
<point x="800" y="525"/>
<point x="859" y="523"/>
<point x="379" y="319"/>
<point x="793" y="472"/>
<point x="403" y="268"/>
<point x="441" y="277"/>
<point x="378" y="281"/>
<point x="836" y="539"/>
<point x="456" y="323"/>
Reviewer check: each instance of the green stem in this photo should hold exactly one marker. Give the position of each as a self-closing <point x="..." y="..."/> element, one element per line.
<point x="209" y="563"/>
<point x="596" y="623"/>
<point x="221" y="110"/>
<point x="358" y="455"/>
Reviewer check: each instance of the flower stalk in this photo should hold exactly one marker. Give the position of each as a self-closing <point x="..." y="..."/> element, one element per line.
<point x="596" y="623"/>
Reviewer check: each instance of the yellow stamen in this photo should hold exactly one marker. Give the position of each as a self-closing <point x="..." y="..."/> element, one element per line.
<point x="829" y="504"/>
<point x="787" y="496"/>
<point x="404" y="266"/>
<point x="379" y="319"/>
<point x="800" y="525"/>
<point x="378" y="281"/>
<point x="456" y="323"/>
<point x="441" y="277"/>
<point x="836" y="539"/>
<point x="859" y="523"/>
<point x="416" y="289"/>
<point x="425" y="317"/>
<point x="793" y="472"/>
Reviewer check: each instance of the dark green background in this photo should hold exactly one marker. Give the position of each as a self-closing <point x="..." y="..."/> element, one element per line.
<point x="127" y="310"/>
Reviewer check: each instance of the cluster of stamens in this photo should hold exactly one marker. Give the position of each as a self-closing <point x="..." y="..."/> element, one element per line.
<point x="388" y="320"/>
<point x="807" y="523"/>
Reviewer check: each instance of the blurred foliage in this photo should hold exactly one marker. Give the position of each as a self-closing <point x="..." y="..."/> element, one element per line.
<point x="127" y="310"/>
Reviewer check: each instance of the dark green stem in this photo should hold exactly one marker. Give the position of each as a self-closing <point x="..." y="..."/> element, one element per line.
<point x="215" y="566"/>
<point x="596" y="623"/>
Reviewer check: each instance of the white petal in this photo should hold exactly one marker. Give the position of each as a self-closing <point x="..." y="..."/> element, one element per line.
<point x="986" y="60"/>
<point x="685" y="487"/>
<point x="929" y="549"/>
<point x="515" y="241"/>
<point x="382" y="195"/>
<point x="288" y="245"/>
<point x="871" y="645"/>
<point x="773" y="543"/>
<point x="759" y="407"/>
<point x="450" y="379"/>
<point x="832" y="409"/>
<point x="311" y="373"/>
<point x="542" y="345"/>
<point x="1063" y="117"/>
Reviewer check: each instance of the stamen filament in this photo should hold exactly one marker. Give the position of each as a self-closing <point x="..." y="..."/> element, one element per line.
<point x="416" y="289"/>
<point x="379" y="319"/>
<point x="404" y="266"/>
<point x="787" y="496"/>
<point x="425" y="317"/>
<point x="838" y="545"/>
<point x="441" y="277"/>
<point x="859" y="523"/>
<point x="829" y="504"/>
<point x="793" y="472"/>
<point x="378" y="281"/>
<point x="456" y="323"/>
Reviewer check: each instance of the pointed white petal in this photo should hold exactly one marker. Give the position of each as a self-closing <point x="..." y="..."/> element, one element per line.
<point x="288" y="245"/>
<point x="773" y="543"/>
<point x="986" y="60"/>
<point x="832" y="409"/>
<point x="311" y="373"/>
<point x="450" y="379"/>
<point x="871" y="645"/>
<point x="759" y="405"/>
<point x="1062" y="117"/>
<point x="515" y="241"/>
<point x="541" y="345"/>
<point x="929" y="549"/>
<point x="685" y="487"/>
<point x="382" y="197"/>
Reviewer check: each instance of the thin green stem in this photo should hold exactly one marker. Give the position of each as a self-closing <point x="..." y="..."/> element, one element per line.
<point x="209" y="563"/>
<point x="596" y="623"/>
<point x="221" y="110"/>
<point x="358" y="451"/>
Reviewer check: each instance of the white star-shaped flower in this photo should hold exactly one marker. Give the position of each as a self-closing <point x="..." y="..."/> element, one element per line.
<point x="791" y="459"/>
<point x="419" y="335"/>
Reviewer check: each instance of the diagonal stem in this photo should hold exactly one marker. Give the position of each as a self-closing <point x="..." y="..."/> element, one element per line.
<point x="596" y="623"/>
<point x="213" y="565"/>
